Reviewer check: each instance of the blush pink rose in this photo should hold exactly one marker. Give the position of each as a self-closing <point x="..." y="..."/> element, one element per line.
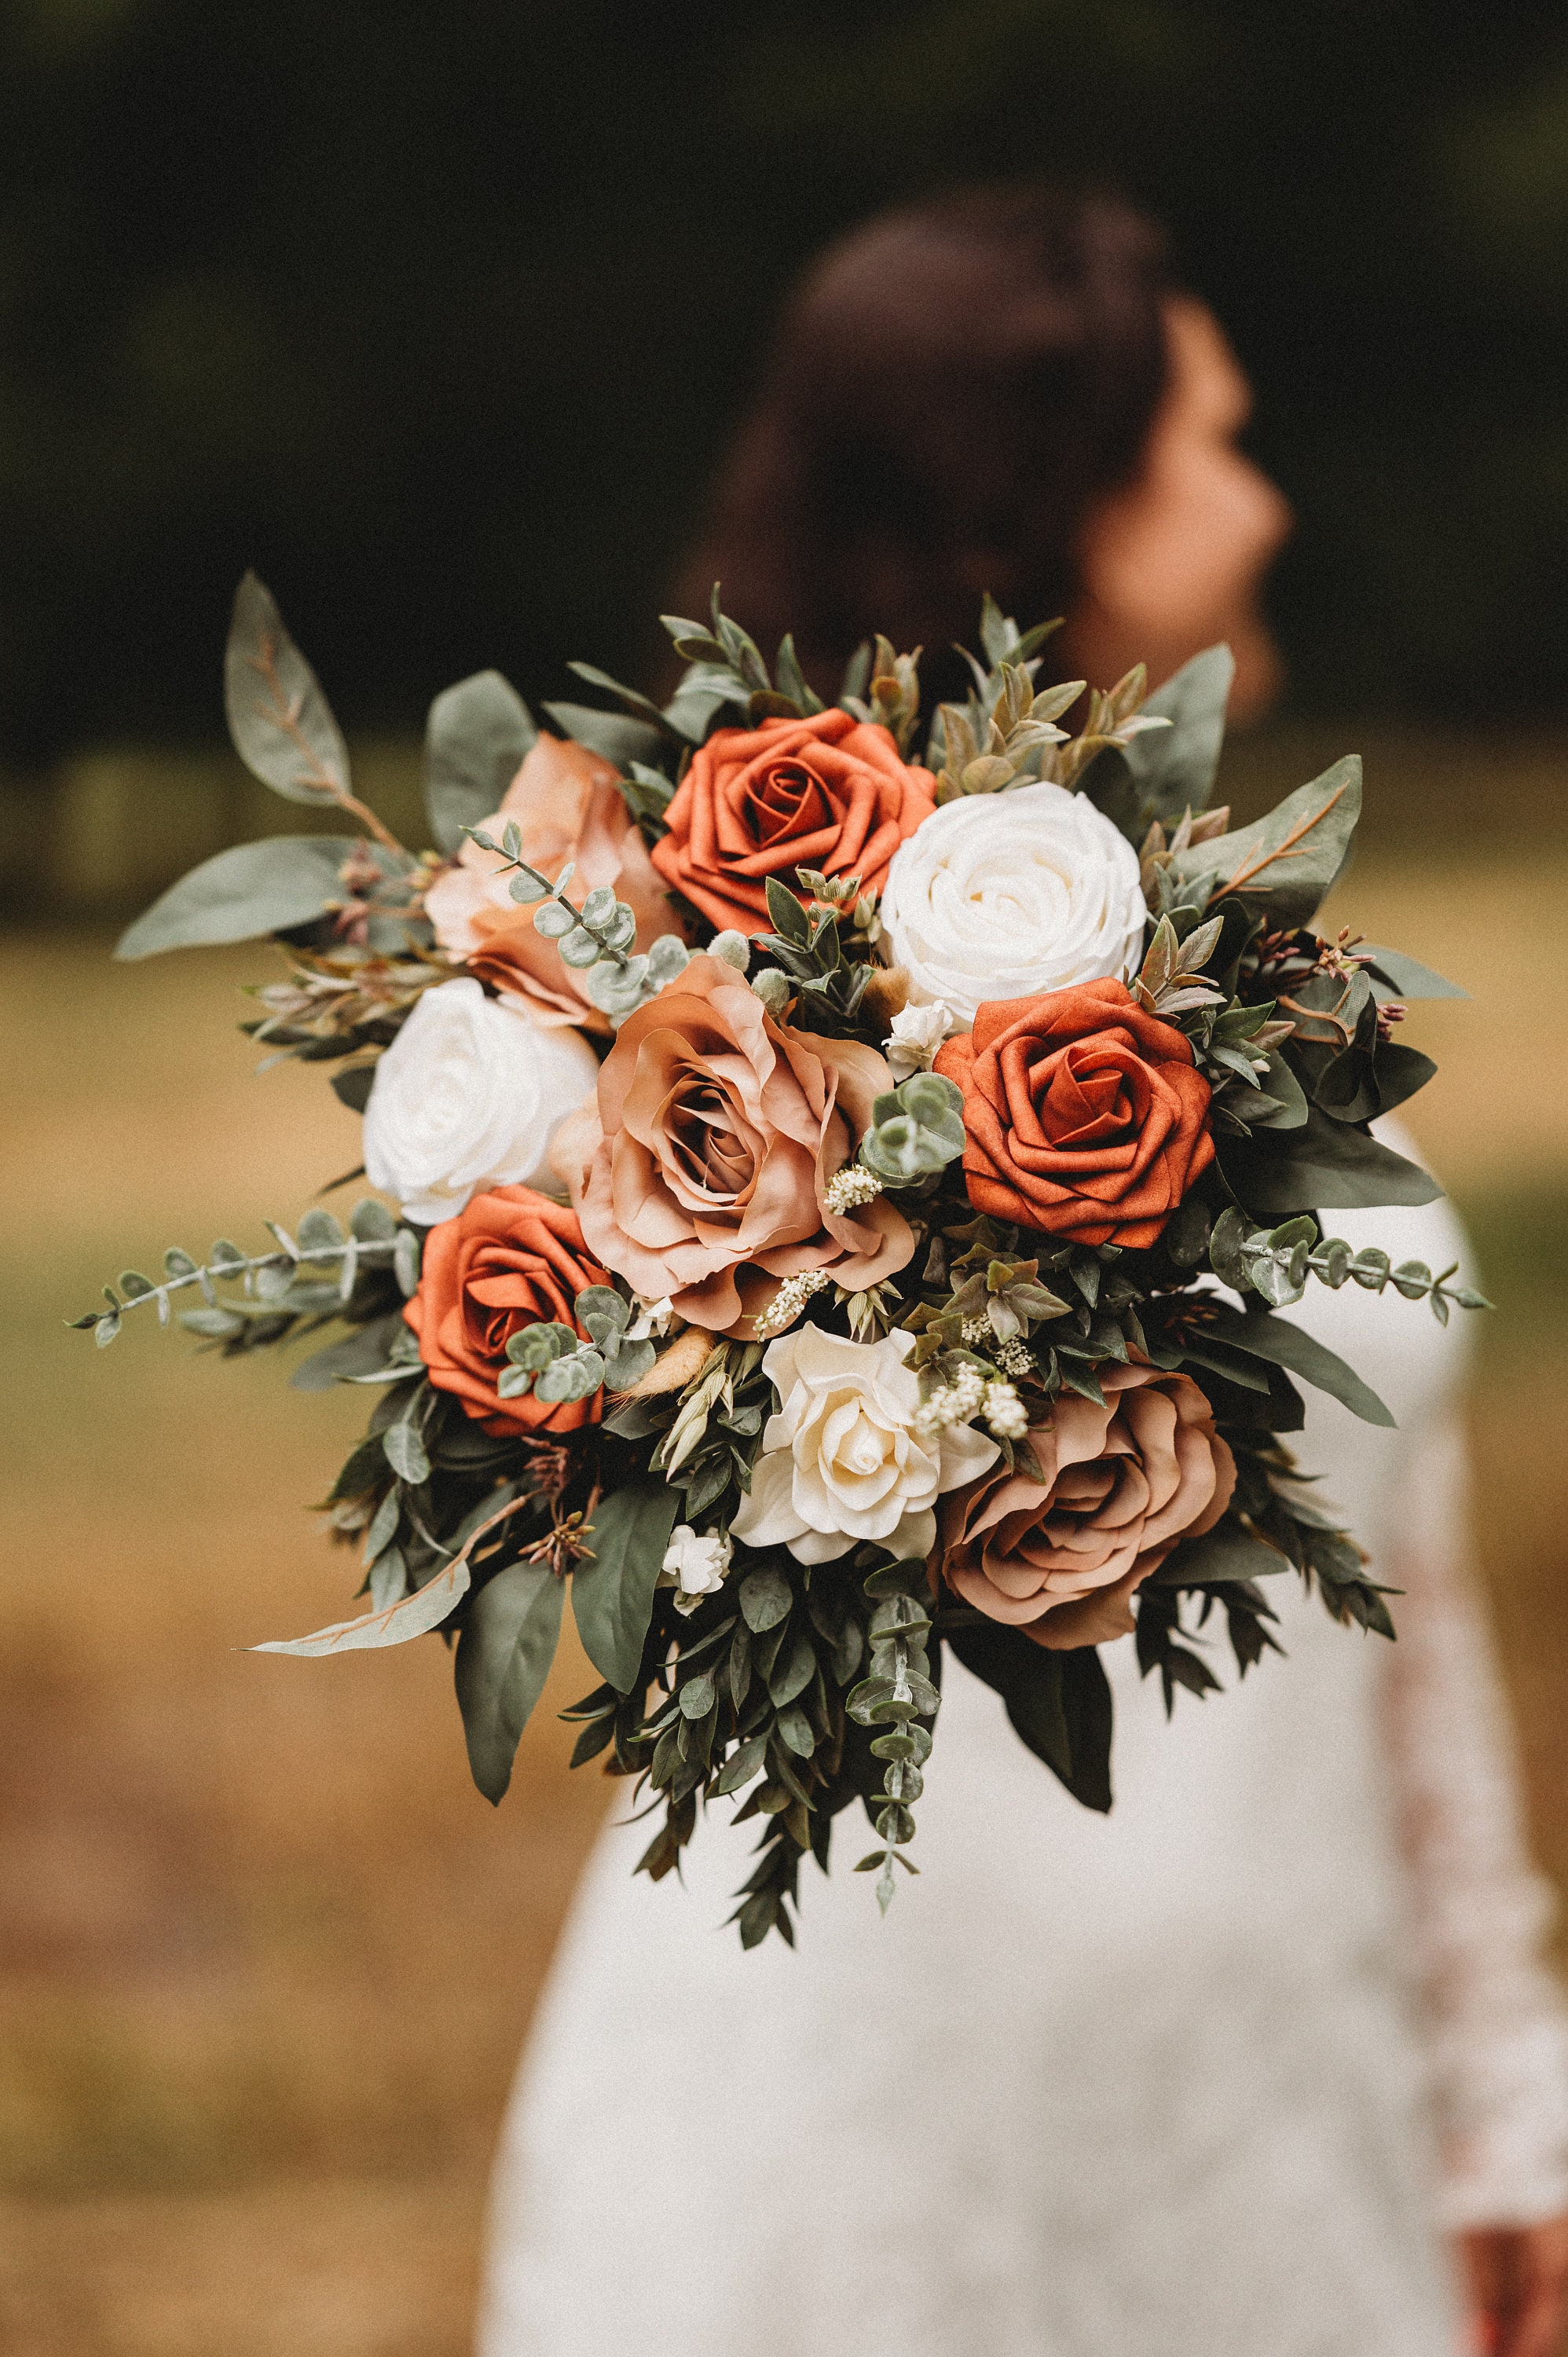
<point x="1124" y="1483"/>
<point x="566" y="806"/>
<point x="699" y="1167"/>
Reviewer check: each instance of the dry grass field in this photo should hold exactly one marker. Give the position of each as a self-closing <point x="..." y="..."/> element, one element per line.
<point x="265" y="1958"/>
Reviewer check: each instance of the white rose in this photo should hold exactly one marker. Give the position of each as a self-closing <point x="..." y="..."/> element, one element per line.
<point x="917" y="1032"/>
<point x="468" y="1096"/>
<point x="694" y="1566"/>
<point x="841" y="1462"/>
<point x="999" y="895"/>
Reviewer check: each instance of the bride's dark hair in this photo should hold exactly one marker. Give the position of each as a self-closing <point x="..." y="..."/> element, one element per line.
<point x="951" y="385"/>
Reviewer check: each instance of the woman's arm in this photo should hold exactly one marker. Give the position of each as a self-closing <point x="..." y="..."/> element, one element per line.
<point x="1498" y="2026"/>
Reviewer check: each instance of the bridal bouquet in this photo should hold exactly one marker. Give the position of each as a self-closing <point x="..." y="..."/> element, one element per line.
<point x="837" y="1183"/>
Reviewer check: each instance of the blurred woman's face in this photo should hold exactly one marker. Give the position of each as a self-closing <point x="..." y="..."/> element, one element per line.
<point x="1174" y="559"/>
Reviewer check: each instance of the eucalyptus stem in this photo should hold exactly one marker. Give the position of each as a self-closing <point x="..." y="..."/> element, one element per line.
<point x="547" y="890"/>
<point x="208" y="1275"/>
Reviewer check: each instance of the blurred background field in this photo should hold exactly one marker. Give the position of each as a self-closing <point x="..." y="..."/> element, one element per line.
<point x="439" y="318"/>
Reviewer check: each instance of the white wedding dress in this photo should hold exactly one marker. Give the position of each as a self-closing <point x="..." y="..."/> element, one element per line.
<point x="1207" y="2078"/>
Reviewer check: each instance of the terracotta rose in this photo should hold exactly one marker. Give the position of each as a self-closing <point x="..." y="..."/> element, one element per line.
<point x="511" y="1259"/>
<point x="1124" y="1483"/>
<point x="566" y="806"/>
<point x="1086" y="1117"/>
<point x="699" y="1168"/>
<point x="828" y="792"/>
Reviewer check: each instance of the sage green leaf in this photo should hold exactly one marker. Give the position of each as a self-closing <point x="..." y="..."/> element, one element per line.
<point x="696" y="1696"/>
<point x="477" y="737"/>
<point x="1299" y="1354"/>
<point x="1227" y="1552"/>
<point x="792" y="1673"/>
<point x="281" y="722"/>
<point x="1175" y="765"/>
<point x="1323" y="1165"/>
<point x="1289" y="860"/>
<point x="392" y="1625"/>
<point x="614" y="734"/>
<point x="319" y="1230"/>
<point x="405" y="1453"/>
<point x="1406" y="977"/>
<point x="371" y="1221"/>
<point x="786" y="915"/>
<point x="508" y="1641"/>
<point x="256" y="887"/>
<point x="612" y="1591"/>
<point x="361" y="1354"/>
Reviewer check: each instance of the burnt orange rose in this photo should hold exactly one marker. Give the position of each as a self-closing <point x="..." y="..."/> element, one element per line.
<point x="511" y="1259"/>
<point x="699" y="1168"/>
<point x="567" y="806"/>
<point x="828" y="792"/>
<point x="1124" y="1483"/>
<point x="1085" y="1117"/>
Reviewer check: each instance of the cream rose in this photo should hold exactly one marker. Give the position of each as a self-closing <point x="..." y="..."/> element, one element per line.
<point x="1002" y="896"/>
<point x="469" y="1095"/>
<point x="841" y="1462"/>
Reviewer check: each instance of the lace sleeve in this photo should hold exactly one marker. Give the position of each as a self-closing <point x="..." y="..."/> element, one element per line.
<point x="1497" y="2021"/>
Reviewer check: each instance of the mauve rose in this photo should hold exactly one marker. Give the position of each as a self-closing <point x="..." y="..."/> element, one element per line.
<point x="1086" y="1117"/>
<point x="1124" y="1483"/>
<point x="566" y="806"/>
<point x="699" y="1167"/>
<point x="511" y="1259"/>
<point x="829" y="792"/>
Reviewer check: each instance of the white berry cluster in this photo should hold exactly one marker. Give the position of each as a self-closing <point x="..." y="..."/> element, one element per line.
<point x="789" y="1301"/>
<point x="850" y="1186"/>
<point x="1005" y="1412"/>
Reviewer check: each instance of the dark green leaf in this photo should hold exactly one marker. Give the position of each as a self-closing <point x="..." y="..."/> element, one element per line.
<point x="612" y="1591"/>
<point x="360" y="1354"/>
<point x="786" y="915"/>
<point x="1291" y="1347"/>
<point x="1226" y="1553"/>
<point x="1323" y="1165"/>
<point x="765" y="1599"/>
<point x="507" y="1642"/>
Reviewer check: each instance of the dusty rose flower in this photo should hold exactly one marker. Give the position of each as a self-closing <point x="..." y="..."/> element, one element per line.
<point x="700" y="1169"/>
<point x="1124" y="1483"/>
<point x="829" y="792"/>
<point x="566" y="806"/>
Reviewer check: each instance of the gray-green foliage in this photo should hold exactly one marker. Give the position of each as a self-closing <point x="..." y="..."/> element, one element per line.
<point x="1289" y="860"/>
<point x="894" y="1696"/>
<point x="274" y="1287"/>
<point x="1276" y="1263"/>
<point x="916" y="1129"/>
<point x="595" y="938"/>
<point x="281" y="722"/>
<point x="254" y="888"/>
<point x="479" y="735"/>
<point x="555" y="1364"/>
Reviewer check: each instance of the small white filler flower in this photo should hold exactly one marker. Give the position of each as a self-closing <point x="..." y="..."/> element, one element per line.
<point x="694" y="1565"/>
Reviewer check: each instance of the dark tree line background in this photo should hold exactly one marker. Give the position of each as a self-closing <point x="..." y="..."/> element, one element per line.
<point x="439" y="314"/>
